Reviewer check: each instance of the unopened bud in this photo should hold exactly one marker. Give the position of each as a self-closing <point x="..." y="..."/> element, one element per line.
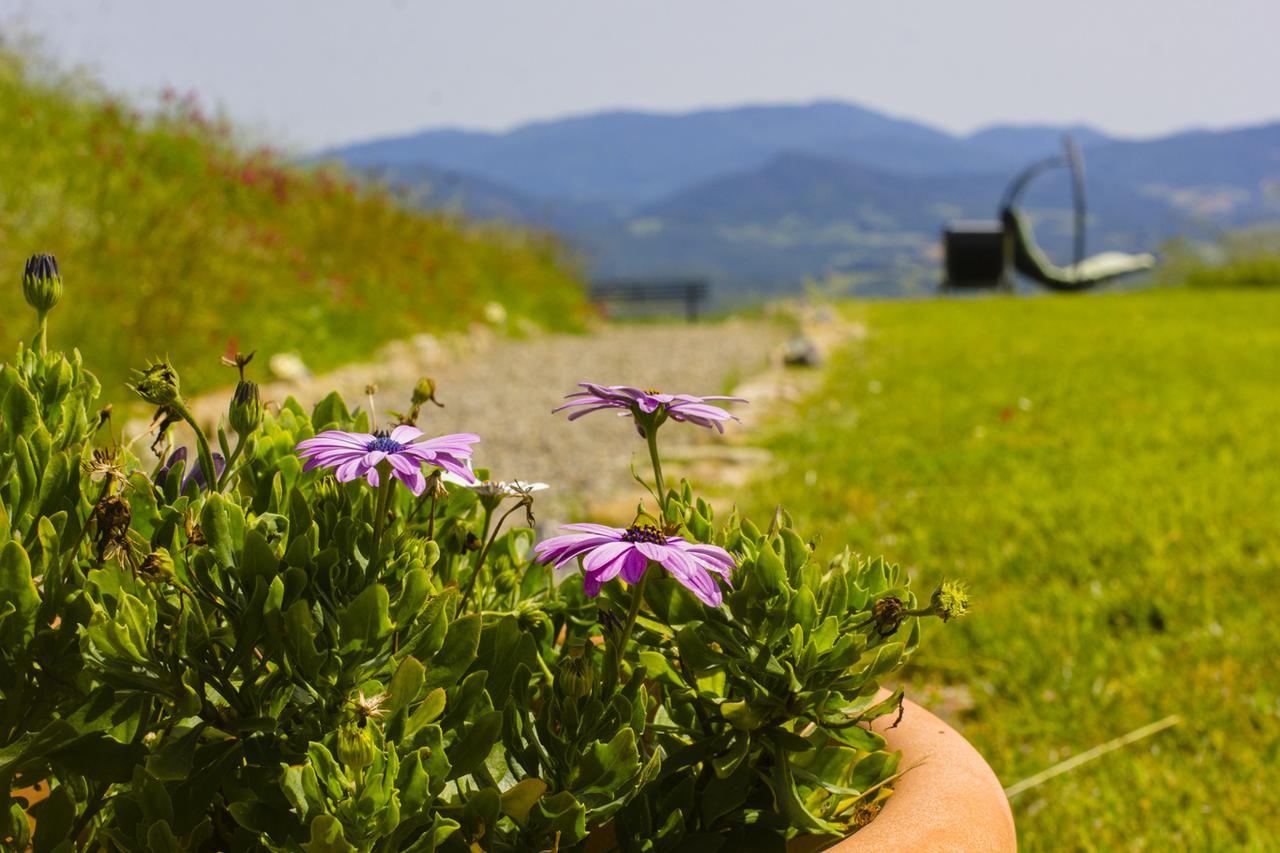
<point x="41" y="282"/>
<point x="245" y="412"/>
<point x="158" y="384"/>
<point x="575" y="675"/>
<point x="424" y="392"/>
<point x="529" y="616"/>
<point x="505" y="581"/>
<point x="355" y="746"/>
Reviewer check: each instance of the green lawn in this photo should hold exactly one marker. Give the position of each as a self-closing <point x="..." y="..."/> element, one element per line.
<point x="1105" y="472"/>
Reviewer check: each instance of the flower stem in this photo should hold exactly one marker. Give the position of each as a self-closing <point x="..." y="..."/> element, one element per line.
<point x="202" y="443"/>
<point x="484" y="552"/>
<point x="42" y="332"/>
<point x="637" y="599"/>
<point x="231" y="461"/>
<point x="651" y="437"/>
<point x="385" y="485"/>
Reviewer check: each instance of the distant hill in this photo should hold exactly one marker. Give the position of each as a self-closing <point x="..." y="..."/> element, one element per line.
<point x="1030" y="141"/>
<point x="635" y="157"/>
<point x="762" y="197"/>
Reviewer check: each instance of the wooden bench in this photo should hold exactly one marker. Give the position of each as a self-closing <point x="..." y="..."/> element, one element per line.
<point x="692" y="292"/>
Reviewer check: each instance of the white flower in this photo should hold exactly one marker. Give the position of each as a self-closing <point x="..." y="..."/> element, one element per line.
<point x="495" y="488"/>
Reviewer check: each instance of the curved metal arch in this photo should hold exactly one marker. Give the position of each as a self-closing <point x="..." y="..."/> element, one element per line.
<point x="1073" y="159"/>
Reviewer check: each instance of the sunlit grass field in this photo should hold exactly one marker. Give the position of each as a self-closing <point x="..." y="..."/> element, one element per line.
<point x="1105" y="472"/>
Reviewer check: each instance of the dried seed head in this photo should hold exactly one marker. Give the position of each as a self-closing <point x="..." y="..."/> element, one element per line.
<point x="158" y="384"/>
<point x="112" y="515"/>
<point x="368" y="707"/>
<point x="157" y="566"/>
<point x="104" y="464"/>
<point x="888" y="614"/>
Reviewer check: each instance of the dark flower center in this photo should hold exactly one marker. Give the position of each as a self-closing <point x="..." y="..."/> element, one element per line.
<point x="644" y="533"/>
<point x="652" y="391"/>
<point x="384" y="442"/>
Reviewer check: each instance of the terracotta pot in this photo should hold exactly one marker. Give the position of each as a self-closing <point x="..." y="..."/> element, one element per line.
<point x="951" y="800"/>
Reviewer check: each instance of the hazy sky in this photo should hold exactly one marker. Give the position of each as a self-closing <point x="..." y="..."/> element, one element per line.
<point x="314" y="72"/>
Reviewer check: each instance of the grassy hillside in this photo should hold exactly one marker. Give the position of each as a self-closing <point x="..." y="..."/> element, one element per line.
<point x="174" y="239"/>
<point x="1106" y="473"/>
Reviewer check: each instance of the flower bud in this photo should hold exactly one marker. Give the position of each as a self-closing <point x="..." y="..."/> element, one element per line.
<point x="950" y="601"/>
<point x="424" y="392"/>
<point x="245" y="412"/>
<point x="888" y="614"/>
<point x="355" y="746"/>
<point x="42" y="283"/>
<point x="157" y="566"/>
<point x="575" y="675"/>
<point x="157" y="384"/>
<point x="530" y="616"/>
<point x="505" y="581"/>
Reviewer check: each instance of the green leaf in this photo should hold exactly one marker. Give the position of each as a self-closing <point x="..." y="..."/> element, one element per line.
<point x="20" y="410"/>
<point x="17" y="590"/>
<point x="696" y="655"/>
<point x="259" y="559"/>
<point x="365" y="623"/>
<point x="560" y="814"/>
<point x="160" y="838"/>
<point x="473" y="748"/>
<point x="55" y="816"/>
<point x="457" y="653"/>
<point x="405" y="684"/>
<point x="428" y="711"/>
<point x="216" y="524"/>
<point x="769" y="572"/>
<point x="789" y="803"/>
<point x="327" y="836"/>
<point x="795" y="552"/>
<point x="875" y="768"/>
<point x="299" y="638"/>
<point x="804" y="610"/>
<point x="172" y="759"/>
<point x="330" y="412"/>
<point x="606" y="767"/>
<point x="413" y="781"/>
<point x="441" y="829"/>
<point x="742" y="715"/>
<point x="480" y="813"/>
<point x="520" y="797"/>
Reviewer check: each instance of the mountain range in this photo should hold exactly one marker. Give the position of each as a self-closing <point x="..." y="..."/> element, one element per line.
<point x="762" y="198"/>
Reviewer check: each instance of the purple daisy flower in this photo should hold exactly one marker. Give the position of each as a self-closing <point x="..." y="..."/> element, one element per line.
<point x="193" y="474"/>
<point x="358" y="454"/>
<point x="609" y="552"/>
<point x="644" y="403"/>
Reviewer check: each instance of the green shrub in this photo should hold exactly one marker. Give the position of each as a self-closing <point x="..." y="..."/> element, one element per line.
<point x="270" y="658"/>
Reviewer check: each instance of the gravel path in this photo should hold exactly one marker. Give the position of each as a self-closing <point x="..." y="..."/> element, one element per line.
<point x="504" y="390"/>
